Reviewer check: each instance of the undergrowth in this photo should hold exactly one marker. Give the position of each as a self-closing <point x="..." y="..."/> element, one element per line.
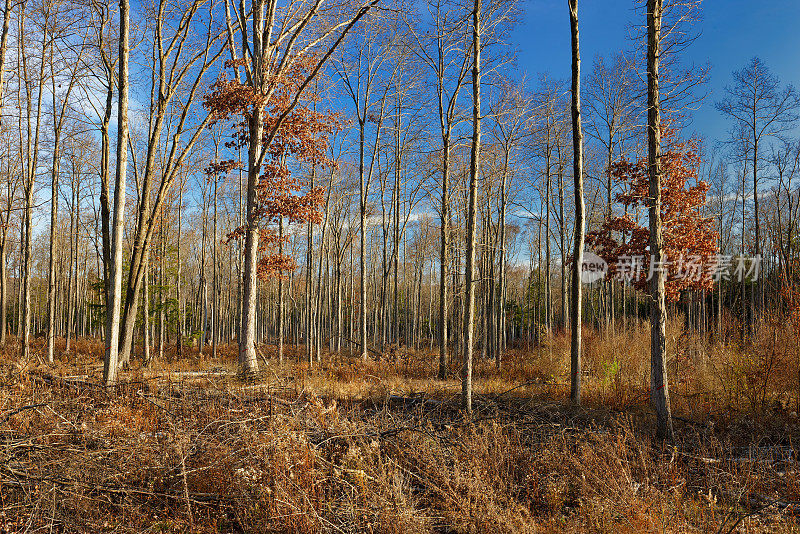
<point x="349" y="446"/>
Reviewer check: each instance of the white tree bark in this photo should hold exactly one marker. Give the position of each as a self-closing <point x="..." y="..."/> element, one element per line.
<point x="111" y="362"/>
<point x="659" y="388"/>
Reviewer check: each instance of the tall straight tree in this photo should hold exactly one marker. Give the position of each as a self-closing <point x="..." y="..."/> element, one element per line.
<point x="549" y="101"/>
<point x="360" y="78"/>
<point x="472" y="208"/>
<point x="68" y="77"/>
<point x="102" y="68"/>
<point x="577" y="171"/>
<point x="4" y="219"/>
<point x="281" y="36"/>
<point x="31" y="79"/>
<point x="611" y="101"/>
<point x="176" y="57"/>
<point x="512" y="117"/>
<point x="12" y="183"/>
<point x="659" y="388"/>
<point x="442" y="50"/>
<point x="111" y="362"/>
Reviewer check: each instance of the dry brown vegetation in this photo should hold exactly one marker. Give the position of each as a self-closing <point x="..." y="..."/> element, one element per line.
<point x="381" y="447"/>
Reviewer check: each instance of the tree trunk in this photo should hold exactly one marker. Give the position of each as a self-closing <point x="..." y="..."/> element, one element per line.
<point x="363" y="243"/>
<point x="577" y="169"/>
<point x="178" y="293"/>
<point x="563" y="242"/>
<point x="247" y="343"/>
<point x="146" y="348"/>
<point x="73" y="266"/>
<point x="310" y="288"/>
<point x="659" y="392"/>
<point x="162" y="303"/>
<point x="469" y="282"/>
<point x="280" y="293"/>
<point x="548" y="314"/>
<point x="501" y="314"/>
<point x="4" y="222"/>
<point x="443" y="259"/>
<point x="111" y="362"/>
<point x="33" y="164"/>
<point x="214" y="281"/>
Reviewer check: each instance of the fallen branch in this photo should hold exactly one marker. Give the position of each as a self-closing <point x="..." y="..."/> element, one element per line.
<point x="12" y="413"/>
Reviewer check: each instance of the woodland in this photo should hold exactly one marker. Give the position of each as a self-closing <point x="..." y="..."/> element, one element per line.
<point x="343" y="266"/>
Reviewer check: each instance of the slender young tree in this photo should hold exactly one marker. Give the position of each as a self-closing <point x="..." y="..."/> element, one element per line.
<point x="512" y="117"/>
<point x="176" y="57"/>
<point x="12" y="183"/>
<point x="577" y="171"/>
<point x="5" y="217"/>
<point x="659" y="388"/>
<point x="278" y="44"/>
<point x="442" y="51"/>
<point x="31" y="79"/>
<point x="472" y="208"/>
<point x="67" y="77"/>
<point x="111" y="362"/>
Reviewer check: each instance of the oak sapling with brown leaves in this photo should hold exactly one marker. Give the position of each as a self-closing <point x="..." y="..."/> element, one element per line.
<point x="301" y="138"/>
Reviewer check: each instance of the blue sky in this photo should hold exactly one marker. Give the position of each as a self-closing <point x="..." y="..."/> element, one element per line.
<point x="732" y="31"/>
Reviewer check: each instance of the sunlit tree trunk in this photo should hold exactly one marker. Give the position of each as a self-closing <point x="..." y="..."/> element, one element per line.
<point x="563" y="242"/>
<point x="247" y="344"/>
<point x="659" y="392"/>
<point x="280" y="319"/>
<point x="74" y="240"/>
<point x="472" y="208"/>
<point x="362" y="248"/>
<point x="32" y="160"/>
<point x="577" y="169"/>
<point x="178" y="273"/>
<point x="501" y="315"/>
<point x="309" y="324"/>
<point x="548" y="307"/>
<point x="214" y="279"/>
<point x="146" y="348"/>
<point x="111" y="362"/>
<point x="4" y="220"/>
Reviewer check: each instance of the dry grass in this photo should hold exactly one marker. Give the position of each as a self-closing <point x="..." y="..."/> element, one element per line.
<point x="380" y="447"/>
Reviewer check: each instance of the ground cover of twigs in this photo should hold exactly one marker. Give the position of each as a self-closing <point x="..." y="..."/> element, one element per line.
<point x="191" y="447"/>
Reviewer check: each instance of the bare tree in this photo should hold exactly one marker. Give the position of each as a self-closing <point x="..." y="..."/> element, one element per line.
<point x="443" y="52"/>
<point x="577" y="170"/>
<point x="111" y="361"/>
<point x="65" y="66"/>
<point x="12" y="173"/>
<point x="5" y="216"/>
<point x="512" y="117"/>
<point x="659" y="388"/>
<point x="474" y="171"/>
<point x="360" y="73"/>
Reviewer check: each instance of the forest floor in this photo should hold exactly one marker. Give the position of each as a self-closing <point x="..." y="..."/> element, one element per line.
<point x="349" y="446"/>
